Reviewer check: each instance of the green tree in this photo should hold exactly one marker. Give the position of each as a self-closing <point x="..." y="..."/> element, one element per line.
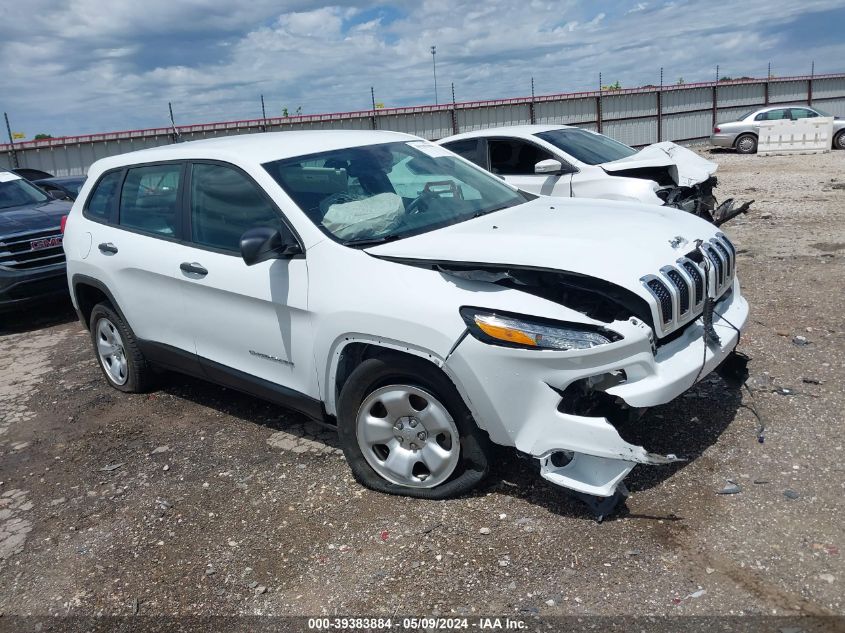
<point x="43" y="135"/>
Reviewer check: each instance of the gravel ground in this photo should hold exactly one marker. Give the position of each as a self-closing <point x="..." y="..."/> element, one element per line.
<point x="198" y="500"/>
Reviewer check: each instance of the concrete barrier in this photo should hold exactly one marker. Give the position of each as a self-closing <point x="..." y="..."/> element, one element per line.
<point x="804" y="136"/>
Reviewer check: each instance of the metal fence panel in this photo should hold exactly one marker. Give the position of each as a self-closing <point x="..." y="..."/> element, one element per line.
<point x="632" y="131"/>
<point x="836" y="107"/>
<point x="682" y="100"/>
<point x="430" y="125"/>
<point x="687" y="125"/>
<point x="470" y="119"/>
<point x="828" y="87"/>
<point x="741" y="94"/>
<point x="786" y="91"/>
<point x="628" y="105"/>
<point x="566" y="112"/>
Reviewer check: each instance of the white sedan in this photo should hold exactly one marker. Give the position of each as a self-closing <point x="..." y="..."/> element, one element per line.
<point x="568" y="161"/>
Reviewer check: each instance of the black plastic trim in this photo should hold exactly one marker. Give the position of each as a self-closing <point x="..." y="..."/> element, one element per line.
<point x="199" y="367"/>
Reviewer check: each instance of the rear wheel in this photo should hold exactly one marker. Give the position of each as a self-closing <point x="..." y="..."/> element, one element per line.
<point x="122" y="362"/>
<point x="839" y="140"/>
<point x="746" y="144"/>
<point x="405" y="430"/>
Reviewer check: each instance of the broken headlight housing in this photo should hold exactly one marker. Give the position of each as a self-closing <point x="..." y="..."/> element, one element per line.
<point x="526" y="332"/>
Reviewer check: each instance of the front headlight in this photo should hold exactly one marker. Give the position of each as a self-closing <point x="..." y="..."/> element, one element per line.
<point x="512" y="330"/>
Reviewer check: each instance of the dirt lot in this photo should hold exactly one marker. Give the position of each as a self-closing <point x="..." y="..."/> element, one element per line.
<point x="198" y="500"/>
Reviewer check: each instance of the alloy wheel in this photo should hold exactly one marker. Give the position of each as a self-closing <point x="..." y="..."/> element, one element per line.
<point x="111" y="352"/>
<point x="407" y="436"/>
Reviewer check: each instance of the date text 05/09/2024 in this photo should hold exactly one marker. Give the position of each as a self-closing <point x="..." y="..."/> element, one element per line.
<point x="414" y="624"/>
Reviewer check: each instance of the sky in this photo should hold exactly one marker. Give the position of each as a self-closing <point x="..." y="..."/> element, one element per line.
<point x="79" y="66"/>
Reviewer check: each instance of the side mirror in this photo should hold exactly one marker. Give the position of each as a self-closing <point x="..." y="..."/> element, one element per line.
<point x="57" y="194"/>
<point x="263" y="243"/>
<point x="549" y="166"/>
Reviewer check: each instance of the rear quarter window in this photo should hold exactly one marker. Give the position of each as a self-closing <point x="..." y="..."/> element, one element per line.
<point x="102" y="199"/>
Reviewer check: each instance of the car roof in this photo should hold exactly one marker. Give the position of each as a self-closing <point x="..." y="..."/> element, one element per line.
<point x="520" y="131"/>
<point x="256" y="148"/>
<point x="60" y="180"/>
<point x="781" y="106"/>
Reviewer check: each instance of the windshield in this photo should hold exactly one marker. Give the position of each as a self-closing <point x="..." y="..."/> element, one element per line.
<point x="821" y="112"/>
<point x="16" y="192"/>
<point x="374" y="193"/>
<point x="588" y="147"/>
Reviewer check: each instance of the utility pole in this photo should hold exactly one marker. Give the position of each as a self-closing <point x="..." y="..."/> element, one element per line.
<point x="263" y="115"/>
<point x="454" y="111"/>
<point x="173" y="123"/>
<point x="598" y="108"/>
<point x="531" y="112"/>
<point x="810" y="83"/>
<point x="373" y="101"/>
<point x="12" y="152"/>
<point x="434" y="68"/>
<point x="660" y="108"/>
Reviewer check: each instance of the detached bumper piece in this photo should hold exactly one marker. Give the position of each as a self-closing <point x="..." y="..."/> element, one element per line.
<point x="700" y="201"/>
<point x="728" y="210"/>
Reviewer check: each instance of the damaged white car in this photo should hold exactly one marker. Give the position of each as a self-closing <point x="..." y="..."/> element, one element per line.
<point x="376" y="281"/>
<point x="568" y="161"/>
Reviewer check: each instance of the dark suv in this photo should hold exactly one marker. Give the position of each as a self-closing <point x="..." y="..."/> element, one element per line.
<point x="32" y="262"/>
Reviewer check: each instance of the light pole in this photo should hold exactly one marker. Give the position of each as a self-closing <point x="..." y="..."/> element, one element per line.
<point x="434" y="67"/>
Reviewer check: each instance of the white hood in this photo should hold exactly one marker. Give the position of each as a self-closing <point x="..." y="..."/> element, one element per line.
<point x="686" y="167"/>
<point x="615" y="241"/>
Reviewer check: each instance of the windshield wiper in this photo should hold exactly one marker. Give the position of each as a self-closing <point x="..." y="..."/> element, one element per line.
<point x="372" y="241"/>
<point x="478" y="214"/>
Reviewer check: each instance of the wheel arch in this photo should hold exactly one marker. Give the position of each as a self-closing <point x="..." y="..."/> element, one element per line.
<point x="745" y="133"/>
<point x="87" y="293"/>
<point x="350" y="350"/>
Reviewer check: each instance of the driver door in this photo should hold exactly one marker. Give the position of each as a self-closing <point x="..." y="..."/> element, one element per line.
<point x="250" y="323"/>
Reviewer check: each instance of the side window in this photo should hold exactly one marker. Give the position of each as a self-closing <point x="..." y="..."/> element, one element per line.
<point x="224" y="205"/>
<point x="149" y="199"/>
<point x="803" y="113"/>
<point x="103" y="197"/>
<point x="468" y="149"/>
<point x="515" y="158"/>
<point x="773" y="115"/>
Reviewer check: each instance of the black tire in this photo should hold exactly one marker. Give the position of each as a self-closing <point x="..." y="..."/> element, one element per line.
<point x="139" y="375"/>
<point x="746" y="144"/>
<point x="374" y="373"/>
<point x="839" y="140"/>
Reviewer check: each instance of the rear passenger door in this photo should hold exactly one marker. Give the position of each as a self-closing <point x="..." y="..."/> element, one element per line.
<point x="249" y="322"/>
<point x="136" y="230"/>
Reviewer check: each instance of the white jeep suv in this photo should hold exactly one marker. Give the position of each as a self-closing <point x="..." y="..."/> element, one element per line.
<point x="381" y="283"/>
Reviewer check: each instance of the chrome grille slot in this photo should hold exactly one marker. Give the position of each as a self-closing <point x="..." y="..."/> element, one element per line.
<point x="719" y="266"/>
<point x="697" y="279"/>
<point x="680" y="289"/>
<point x="663" y="296"/>
<point x="683" y="289"/>
<point x="17" y="252"/>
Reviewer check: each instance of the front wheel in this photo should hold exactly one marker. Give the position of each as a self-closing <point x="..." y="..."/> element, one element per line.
<point x="405" y="430"/>
<point x="746" y="144"/>
<point x="839" y="140"/>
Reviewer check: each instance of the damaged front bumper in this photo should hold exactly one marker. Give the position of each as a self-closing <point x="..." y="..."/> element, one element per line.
<point x="700" y="201"/>
<point x="543" y="402"/>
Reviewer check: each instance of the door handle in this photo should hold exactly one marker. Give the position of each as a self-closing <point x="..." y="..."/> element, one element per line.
<point x="193" y="268"/>
<point x="107" y="247"/>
